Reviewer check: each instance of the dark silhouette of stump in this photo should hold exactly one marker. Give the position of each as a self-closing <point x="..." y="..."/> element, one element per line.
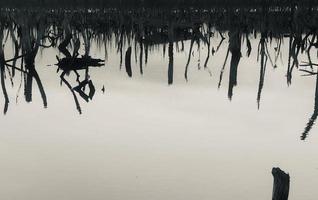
<point x="170" y="66"/>
<point x="281" y="184"/>
<point x="128" y="62"/>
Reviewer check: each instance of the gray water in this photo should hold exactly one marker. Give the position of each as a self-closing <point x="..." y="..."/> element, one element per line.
<point x="145" y="139"/>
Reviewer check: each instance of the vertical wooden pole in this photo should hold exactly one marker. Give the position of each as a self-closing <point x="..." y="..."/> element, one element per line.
<point x="281" y="184"/>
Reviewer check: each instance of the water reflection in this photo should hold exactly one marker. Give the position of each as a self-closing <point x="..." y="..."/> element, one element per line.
<point x="314" y="116"/>
<point x="136" y="33"/>
<point x="74" y="63"/>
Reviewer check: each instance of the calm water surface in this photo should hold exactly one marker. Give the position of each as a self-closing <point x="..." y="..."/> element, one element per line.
<point x="143" y="138"/>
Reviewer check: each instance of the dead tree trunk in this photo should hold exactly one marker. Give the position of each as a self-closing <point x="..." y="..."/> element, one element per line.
<point x="281" y="184"/>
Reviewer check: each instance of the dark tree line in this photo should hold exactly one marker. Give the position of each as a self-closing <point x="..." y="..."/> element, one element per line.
<point x="153" y="3"/>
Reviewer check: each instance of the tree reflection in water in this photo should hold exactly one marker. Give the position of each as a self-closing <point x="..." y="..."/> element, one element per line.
<point x="140" y="31"/>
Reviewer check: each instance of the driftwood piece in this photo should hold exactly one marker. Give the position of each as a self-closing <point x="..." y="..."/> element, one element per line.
<point x="281" y="184"/>
<point x="70" y="63"/>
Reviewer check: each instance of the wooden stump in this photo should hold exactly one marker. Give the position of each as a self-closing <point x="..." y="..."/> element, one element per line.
<point x="281" y="184"/>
